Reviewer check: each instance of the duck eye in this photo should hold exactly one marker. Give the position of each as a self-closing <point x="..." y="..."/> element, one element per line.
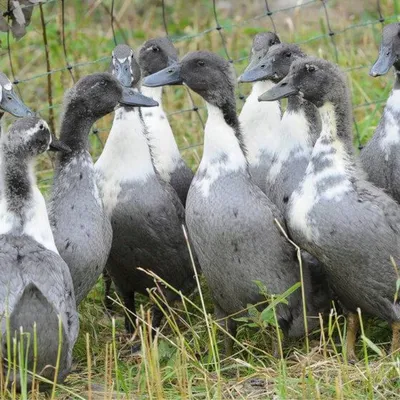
<point x="288" y="55"/>
<point x="41" y="126"/>
<point x="310" y="68"/>
<point x="155" y="49"/>
<point x="271" y="42"/>
<point x="201" y="63"/>
<point x="103" y="83"/>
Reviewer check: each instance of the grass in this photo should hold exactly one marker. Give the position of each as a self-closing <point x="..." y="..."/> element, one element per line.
<point x="187" y="360"/>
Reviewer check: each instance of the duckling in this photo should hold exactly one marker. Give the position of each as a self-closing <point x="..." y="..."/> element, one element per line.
<point x="35" y="283"/>
<point x="260" y="122"/>
<point x="380" y="158"/>
<point x="155" y="55"/>
<point x="81" y="228"/>
<point x="145" y="212"/>
<point x="230" y="220"/>
<point x="347" y="223"/>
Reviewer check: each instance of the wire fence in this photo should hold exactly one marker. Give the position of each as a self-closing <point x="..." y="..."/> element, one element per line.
<point x="68" y="39"/>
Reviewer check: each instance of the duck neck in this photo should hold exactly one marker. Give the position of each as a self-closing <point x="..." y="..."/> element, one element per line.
<point x="75" y="128"/>
<point x="127" y="144"/>
<point x="260" y="122"/>
<point x="223" y="141"/>
<point x="18" y="180"/>
<point x="153" y="92"/>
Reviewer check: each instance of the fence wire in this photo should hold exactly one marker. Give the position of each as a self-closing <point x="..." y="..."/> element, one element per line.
<point x="327" y="28"/>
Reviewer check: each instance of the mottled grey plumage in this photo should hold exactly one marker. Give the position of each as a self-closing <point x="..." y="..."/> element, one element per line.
<point x="260" y="121"/>
<point x="35" y="283"/>
<point x="381" y="156"/>
<point x="82" y="231"/>
<point x="155" y="55"/>
<point x="146" y="215"/>
<point x="343" y="220"/>
<point x="231" y="222"/>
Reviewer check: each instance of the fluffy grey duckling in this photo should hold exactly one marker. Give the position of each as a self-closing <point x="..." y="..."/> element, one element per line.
<point x="11" y="103"/>
<point x="381" y="156"/>
<point x="351" y="226"/>
<point x="155" y="55"/>
<point x="260" y="121"/>
<point x="35" y="283"/>
<point x="82" y="230"/>
<point x="296" y="135"/>
<point x="230" y="220"/>
<point x="145" y="212"/>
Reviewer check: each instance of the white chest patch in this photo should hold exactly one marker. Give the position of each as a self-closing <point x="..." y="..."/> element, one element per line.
<point x="222" y="153"/>
<point x="161" y="138"/>
<point x="125" y="158"/>
<point x="309" y="194"/>
<point x="293" y="132"/>
<point x="392" y="124"/>
<point x="260" y="123"/>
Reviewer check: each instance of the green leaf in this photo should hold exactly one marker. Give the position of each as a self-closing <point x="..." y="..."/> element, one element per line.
<point x="372" y="346"/>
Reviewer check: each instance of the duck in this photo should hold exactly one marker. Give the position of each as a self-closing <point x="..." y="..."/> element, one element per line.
<point x="230" y="220"/>
<point x="11" y="103"/>
<point x="155" y="55"/>
<point x="380" y="158"/>
<point x="82" y="230"/>
<point x="35" y="283"/>
<point x="260" y="121"/>
<point x="146" y="215"/>
<point x="297" y="134"/>
<point x="335" y="214"/>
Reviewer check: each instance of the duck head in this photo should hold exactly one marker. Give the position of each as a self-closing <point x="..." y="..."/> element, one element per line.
<point x="124" y="66"/>
<point x="389" y="52"/>
<point x="9" y="101"/>
<point x="274" y="65"/>
<point x="316" y="80"/>
<point x="157" y="54"/>
<point x="31" y="136"/>
<point x="97" y="95"/>
<point x="261" y="44"/>
<point x="206" y="73"/>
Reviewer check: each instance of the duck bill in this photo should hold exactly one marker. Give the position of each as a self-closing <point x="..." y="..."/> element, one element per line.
<point x="256" y="71"/>
<point x="123" y="73"/>
<point x="385" y="61"/>
<point x="167" y="76"/>
<point x="58" y="145"/>
<point x="132" y="97"/>
<point x="11" y="103"/>
<point x="280" y="91"/>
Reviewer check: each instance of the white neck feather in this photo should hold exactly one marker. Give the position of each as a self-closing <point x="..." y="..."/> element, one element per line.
<point x="260" y="123"/>
<point x="222" y="153"/>
<point x="34" y="221"/>
<point x="164" y="148"/>
<point x="391" y="133"/>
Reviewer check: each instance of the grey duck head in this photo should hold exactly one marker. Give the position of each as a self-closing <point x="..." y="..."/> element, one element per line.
<point x="275" y="64"/>
<point x="30" y="136"/>
<point x="97" y="95"/>
<point x="157" y="54"/>
<point x="206" y="73"/>
<point x="9" y="101"/>
<point x="261" y="44"/>
<point x="389" y="52"/>
<point x="124" y="66"/>
<point x="318" y="81"/>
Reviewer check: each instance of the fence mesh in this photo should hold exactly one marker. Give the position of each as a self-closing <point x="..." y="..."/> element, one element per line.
<point x="69" y="39"/>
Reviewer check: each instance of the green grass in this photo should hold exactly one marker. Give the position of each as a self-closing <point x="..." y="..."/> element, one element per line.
<point x="187" y="359"/>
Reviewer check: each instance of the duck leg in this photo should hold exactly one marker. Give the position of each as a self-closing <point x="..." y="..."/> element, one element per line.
<point x="396" y="337"/>
<point x="353" y="324"/>
<point x="231" y="327"/>
<point x="107" y="289"/>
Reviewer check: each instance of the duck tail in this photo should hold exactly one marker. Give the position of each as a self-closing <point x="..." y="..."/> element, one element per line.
<point x="37" y="318"/>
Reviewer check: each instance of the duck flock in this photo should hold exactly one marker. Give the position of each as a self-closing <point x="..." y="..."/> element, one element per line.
<point x="265" y="176"/>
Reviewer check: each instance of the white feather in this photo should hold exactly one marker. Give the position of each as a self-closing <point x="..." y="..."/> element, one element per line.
<point x="161" y="138"/>
<point x="221" y="153"/>
<point x="126" y="157"/>
<point x="260" y="123"/>
<point x="392" y="127"/>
